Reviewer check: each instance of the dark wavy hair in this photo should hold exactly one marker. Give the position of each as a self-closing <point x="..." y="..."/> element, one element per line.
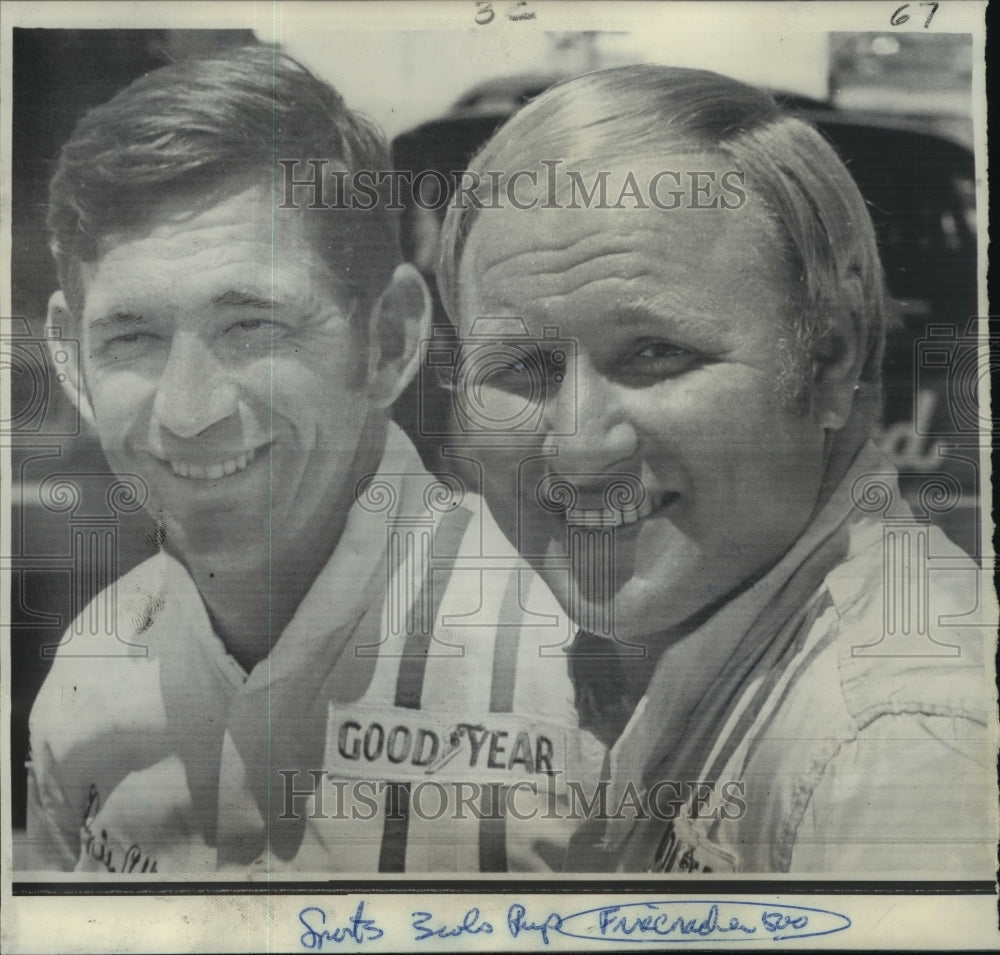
<point x="651" y="111"/>
<point x="200" y="125"/>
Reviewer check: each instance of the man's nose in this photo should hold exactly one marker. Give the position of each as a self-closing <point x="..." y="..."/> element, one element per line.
<point x="194" y="392"/>
<point x="586" y="424"/>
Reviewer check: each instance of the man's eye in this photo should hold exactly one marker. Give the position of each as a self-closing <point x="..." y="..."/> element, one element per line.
<point x="508" y="374"/>
<point x="250" y="333"/>
<point x="661" y="350"/>
<point x="129" y="343"/>
<point x="251" y="325"/>
<point x="657" y="360"/>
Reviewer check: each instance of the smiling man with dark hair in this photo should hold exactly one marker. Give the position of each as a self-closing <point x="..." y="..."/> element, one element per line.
<point x="239" y="359"/>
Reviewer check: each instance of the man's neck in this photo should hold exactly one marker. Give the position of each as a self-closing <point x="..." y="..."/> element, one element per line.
<point x="250" y="611"/>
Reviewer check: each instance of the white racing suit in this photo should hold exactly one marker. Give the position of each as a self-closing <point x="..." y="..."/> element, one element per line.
<point x="415" y="715"/>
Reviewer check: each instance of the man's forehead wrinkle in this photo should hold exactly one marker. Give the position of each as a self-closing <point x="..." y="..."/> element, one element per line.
<point x="653" y="308"/>
<point x="631" y="266"/>
<point x="218" y="248"/>
<point x="527" y="287"/>
<point x="549" y="244"/>
<point x="216" y="284"/>
<point x="606" y="232"/>
<point x="539" y="269"/>
<point x="598" y="251"/>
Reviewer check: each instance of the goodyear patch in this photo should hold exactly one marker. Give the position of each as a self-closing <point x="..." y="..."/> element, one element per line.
<point x="397" y="743"/>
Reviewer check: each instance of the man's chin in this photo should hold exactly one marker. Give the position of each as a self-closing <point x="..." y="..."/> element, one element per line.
<point x="629" y="617"/>
<point x="600" y="617"/>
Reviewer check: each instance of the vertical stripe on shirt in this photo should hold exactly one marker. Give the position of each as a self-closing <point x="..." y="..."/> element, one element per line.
<point x="493" y="825"/>
<point x="410" y="676"/>
<point x="493" y="829"/>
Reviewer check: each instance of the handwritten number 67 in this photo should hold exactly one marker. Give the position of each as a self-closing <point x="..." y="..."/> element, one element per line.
<point x="899" y="17"/>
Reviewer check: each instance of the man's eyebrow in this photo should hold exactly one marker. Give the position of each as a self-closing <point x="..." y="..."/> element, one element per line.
<point x="641" y="314"/>
<point x="629" y="314"/>
<point x="244" y="300"/>
<point x="117" y="318"/>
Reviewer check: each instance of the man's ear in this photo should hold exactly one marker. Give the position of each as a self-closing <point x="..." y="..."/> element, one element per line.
<point x="401" y="320"/>
<point x="838" y="359"/>
<point x="59" y="321"/>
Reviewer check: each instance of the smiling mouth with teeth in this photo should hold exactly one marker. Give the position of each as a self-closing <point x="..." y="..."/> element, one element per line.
<point x="615" y="517"/>
<point x="212" y="472"/>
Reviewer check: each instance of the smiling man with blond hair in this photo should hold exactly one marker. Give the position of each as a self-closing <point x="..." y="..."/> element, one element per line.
<point x="698" y="279"/>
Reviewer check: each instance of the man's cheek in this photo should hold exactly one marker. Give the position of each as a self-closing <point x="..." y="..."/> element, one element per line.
<point x="119" y="390"/>
<point x="111" y="423"/>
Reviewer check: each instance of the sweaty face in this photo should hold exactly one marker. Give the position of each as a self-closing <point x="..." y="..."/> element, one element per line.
<point x="664" y="468"/>
<point x="220" y="365"/>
